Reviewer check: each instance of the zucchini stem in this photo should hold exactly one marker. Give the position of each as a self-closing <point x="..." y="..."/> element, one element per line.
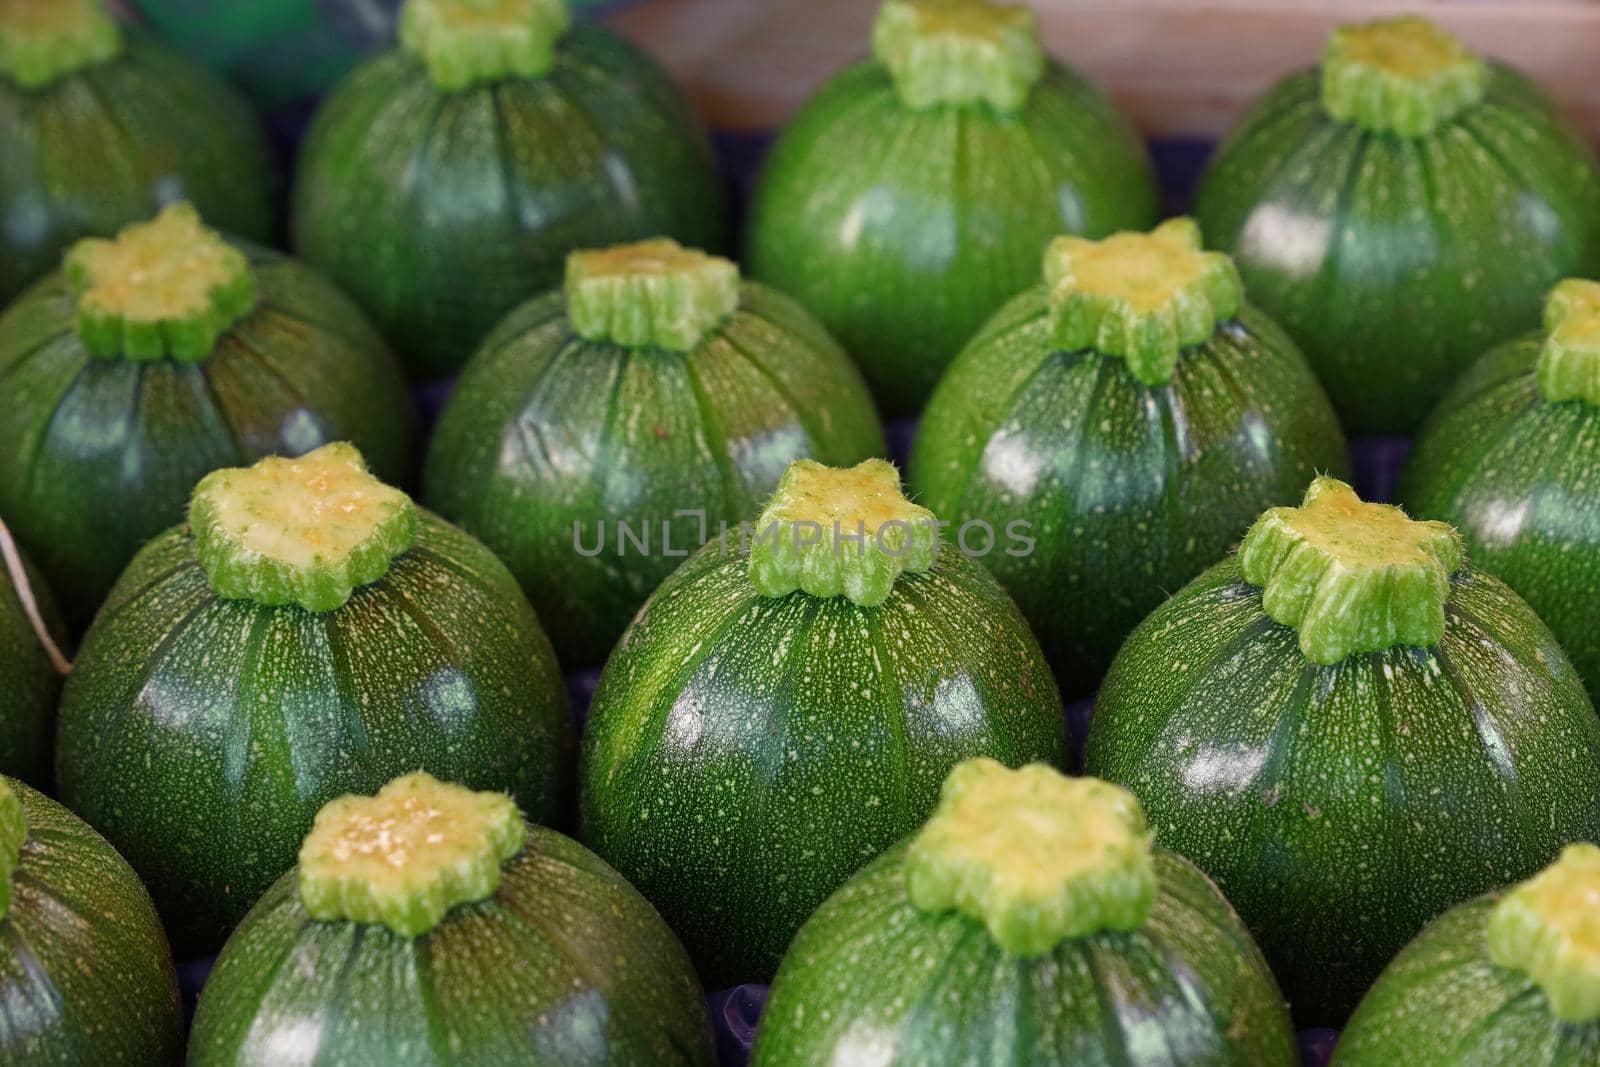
<point x="959" y="52"/>
<point x="42" y="41"/>
<point x="1036" y="857"/>
<point x="1405" y="76"/>
<point x="1569" y="362"/>
<point x="1549" y="928"/>
<point x="651" y="294"/>
<point x="466" y="43"/>
<point x="1349" y="575"/>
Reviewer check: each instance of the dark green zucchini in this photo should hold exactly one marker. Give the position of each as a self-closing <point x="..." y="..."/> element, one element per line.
<point x="1512" y="977"/>
<point x="785" y="707"/>
<point x="1030" y="921"/>
<point x="561" y="431"/>
<point x="430" y="925"/>
<point x="99" y="128"/>
<point x="914" y="193"/>
<point x="85" y="973"/>
<point x="1398" y="238"/>
<point x="29" y="677"/>
<point x="308" y="632"/>
<point x="115" y="412"/>
<point x="1509" y="458"/>
<point x="443" y="182"/>
<point x="1350" y="729"/>
<point x="1135" y="446"/>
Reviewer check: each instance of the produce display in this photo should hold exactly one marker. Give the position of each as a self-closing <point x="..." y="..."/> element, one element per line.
<point x="1351" y="728"/>
<point x="1509" y="978"/>
<point x="29" y="679"/>
<point x="443" y="182"/>
<point x="153" y="358"/>
<point x="540" y="455"/>
<point x="1029" y="921"/>
<point x="914" y="193"/>
<point x="85" y="973"/>
<point x="1509" y="458"/>
<point x="429" y="924"/>
<point x="100" y="126"/>
<point x="1337" y="762"/>
<point x="307" y="632"/>
<point x="1138" y="415"/>
<point x="785" y="707"/>
<point x="1399" y="209"/>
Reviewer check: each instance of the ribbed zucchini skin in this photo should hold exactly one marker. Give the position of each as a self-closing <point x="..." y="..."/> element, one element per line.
<point x="29" y="681"/>
<point x="441" y="212"/>
<point x="85" y="973"/>
<point x="201" y="735"/>
<point x="1129" y="491"/>
<point x="1444" y="1003"/>
<point x="1520" y="478"/>
<point x="1340" y="808"/>
<point x="110" y="144"/>
<point x="904" y="230"/>
<point x="565" y="966"/>
<point x="871" y="979"/>
<point x="745" y="755"/>
<point x="1394" y="262"/>
<point x="546" y="429"/>
<point x="97" y="456"/>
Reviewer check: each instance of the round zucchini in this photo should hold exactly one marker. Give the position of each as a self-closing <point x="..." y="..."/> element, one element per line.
<point x="655" y="391"/>
<point x="429" y="925"/>
<point x="1509" y="978"/>
<point x="98" y="128"/>
<point x="29" y="676"/>
<point x="443" y="182"/>
<point x="1398" y="222"/>
<point x="85" y="972"/>
<point x="1508" y="458"/>
<point x="1030" y="921"/>
<point x="1135" y="443"/>
<point x="1351" y="729"/>
<point x="151" y="359"/>
<point x="785" y="707"/>
<point x="308" y="632"/>
<point x="914" y="193"/>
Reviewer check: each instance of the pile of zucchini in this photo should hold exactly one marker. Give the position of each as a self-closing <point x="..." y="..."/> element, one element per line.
<point x="287" y="678"/>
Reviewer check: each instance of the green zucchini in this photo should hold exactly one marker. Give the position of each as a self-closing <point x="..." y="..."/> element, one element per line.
<point x="28" y="677"/>
<point x="1030" y="921"/>
<point x="100" y="127"/>
<point x="85" y="973"/>
<point x="430" y="925"/>
<point x="559" y="432"/>
<point x="1398" y="238"/>
<point x="913" y="194"/>
<point x="307" y="632"/>
<point x="1351" y="729"/>
<point x="443" y="182"/>
<point x="1135" y="445"/>
<point x="127" y="386"/>
<point x="1509" y="978"/>
<point x="785" y="707"/>
<point x="1508" y="458"/>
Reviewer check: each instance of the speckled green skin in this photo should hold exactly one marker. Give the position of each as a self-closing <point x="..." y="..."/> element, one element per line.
<point x="1520" y="478"/>
<point x="201" y="735"/>
<point x="565" y="966"/>
<point x="1394" y="262"/>
<point x="440" y="212"/>
<point x="872" y="979"/>
<point x="85" y="973"/>
<point x="97" y="456"/>
<point x="745" y="755"/>
<point x="29" y="681"/>
<point x="107" y="146"/>
<point x="1129" y="491"/>
<point x="1444" y="1003"/>
<point x="904" y="230"/>
<point x="546" y="429"/>
<point x="1340" y="808"/>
